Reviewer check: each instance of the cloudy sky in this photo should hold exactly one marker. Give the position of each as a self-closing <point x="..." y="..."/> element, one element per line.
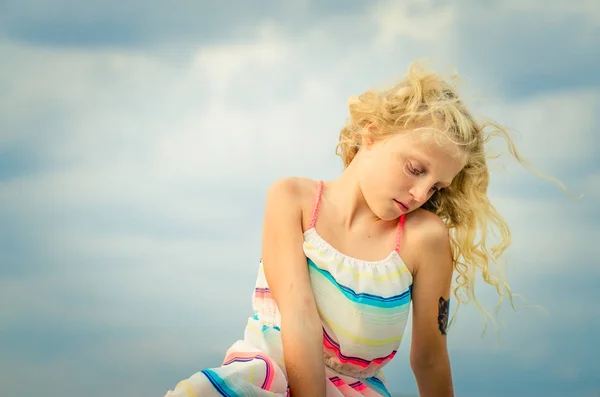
<point x="137" y="141"/>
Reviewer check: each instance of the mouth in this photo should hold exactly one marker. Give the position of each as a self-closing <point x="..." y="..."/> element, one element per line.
<point x="402" y="206"/>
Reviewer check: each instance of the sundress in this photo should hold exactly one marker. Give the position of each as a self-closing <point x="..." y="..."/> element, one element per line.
<point x="363" y="306"/>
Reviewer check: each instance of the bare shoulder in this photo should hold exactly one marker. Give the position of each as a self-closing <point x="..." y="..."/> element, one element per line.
<point x="292" y="187"/>
<point x="287" y="186"/>
<point x="292" y="191"/>
<point x="296" y="191"/>
<point x="427" y="238"/>
<point x="428" y="228"/>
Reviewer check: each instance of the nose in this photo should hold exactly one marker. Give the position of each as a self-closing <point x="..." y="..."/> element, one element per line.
<point x="419" y="193"/>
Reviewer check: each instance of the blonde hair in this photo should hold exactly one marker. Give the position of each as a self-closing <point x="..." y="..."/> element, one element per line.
<point x="426" y="99"/>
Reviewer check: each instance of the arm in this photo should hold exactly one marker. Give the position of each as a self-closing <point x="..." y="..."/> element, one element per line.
<point x="286" y="272"/>
<point x="431" y="292"/>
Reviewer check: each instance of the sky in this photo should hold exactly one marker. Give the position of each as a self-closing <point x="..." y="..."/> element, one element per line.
<point x="137" y="141"/>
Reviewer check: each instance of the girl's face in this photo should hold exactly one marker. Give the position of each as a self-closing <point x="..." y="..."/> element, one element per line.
<point x="399" y="174"/>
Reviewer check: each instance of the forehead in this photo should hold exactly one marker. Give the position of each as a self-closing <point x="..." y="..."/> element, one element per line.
<point x="427" y="142"/>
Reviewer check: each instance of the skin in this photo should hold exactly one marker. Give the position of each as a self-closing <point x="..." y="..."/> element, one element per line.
<point x="358" y="216"/>
<point x="286" y="272"/>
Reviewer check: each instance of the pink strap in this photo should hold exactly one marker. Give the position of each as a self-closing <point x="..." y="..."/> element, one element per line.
<point x="313" y="221"/>
<point x="400" y="224"/>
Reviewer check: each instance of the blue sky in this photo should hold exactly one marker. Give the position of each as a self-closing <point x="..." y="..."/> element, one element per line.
<point x="137" y="141"/>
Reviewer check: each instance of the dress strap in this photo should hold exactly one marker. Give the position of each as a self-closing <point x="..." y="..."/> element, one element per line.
<point x="399" y="233"/>
<point x="313" y="221"/>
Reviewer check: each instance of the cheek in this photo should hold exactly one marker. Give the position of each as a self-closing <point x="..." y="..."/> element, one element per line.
<point x="399" y="178"/>
<point x="403" y="185"/>
<point x="374" y="169"/>
<point x="384" y="177"/>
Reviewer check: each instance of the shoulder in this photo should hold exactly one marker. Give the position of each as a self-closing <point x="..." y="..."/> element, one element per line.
<point x="284" y="187"/>
<point x="427" y="228"/>
<point x="428" y="239"/>
<point x="292" y="187"/>
<point x="292" y="191"/>
<point x="293" y="195"/>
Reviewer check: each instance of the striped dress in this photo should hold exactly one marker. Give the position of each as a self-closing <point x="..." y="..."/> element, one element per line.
<point x="363" y="305"/>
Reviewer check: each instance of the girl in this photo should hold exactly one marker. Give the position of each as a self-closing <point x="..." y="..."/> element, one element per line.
<point x="343" y="260"/>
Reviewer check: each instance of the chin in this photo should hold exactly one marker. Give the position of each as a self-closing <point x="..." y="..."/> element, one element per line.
<point x="389" y="215"/>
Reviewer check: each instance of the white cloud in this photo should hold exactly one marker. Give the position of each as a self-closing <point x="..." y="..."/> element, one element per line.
<point x="562" y="239"/>
<point x="424" y="21"/>
<point x="554" y="131"/>
<point x="221" y="65"/>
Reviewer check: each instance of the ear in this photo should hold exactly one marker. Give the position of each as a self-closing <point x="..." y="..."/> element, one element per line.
<point x="367" y="141"/>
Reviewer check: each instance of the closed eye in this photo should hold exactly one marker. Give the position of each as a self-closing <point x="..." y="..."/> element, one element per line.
<point x="415" y="171"/>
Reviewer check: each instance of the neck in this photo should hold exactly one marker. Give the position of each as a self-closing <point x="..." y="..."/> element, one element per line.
<point x="346" y="199"/>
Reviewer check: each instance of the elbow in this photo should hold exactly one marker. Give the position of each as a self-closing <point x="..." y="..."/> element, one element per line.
<point x="302" y="316"/>
<point x="302" y="332"/>
<point x="427" y="360"/>
<point x="422" y="365"/>
<point x="430" y="363"/>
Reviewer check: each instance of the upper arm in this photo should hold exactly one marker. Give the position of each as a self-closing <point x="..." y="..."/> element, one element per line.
<point x="431" y="290"/>
<point x="284" y="262"/>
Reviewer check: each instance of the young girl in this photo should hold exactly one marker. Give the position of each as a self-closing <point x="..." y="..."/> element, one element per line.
<point x="343" y="260"/>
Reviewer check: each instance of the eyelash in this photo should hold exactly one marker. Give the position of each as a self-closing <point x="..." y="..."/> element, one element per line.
<point x="416" y="172"/>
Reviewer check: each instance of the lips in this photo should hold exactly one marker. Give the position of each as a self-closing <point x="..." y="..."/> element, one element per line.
<point x="402" y="206"/>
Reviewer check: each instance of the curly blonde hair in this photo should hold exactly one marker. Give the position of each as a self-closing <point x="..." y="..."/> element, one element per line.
<point x="425" y="99"/>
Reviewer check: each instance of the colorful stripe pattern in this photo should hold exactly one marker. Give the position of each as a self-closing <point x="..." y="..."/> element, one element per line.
<point x="364" y="307"/>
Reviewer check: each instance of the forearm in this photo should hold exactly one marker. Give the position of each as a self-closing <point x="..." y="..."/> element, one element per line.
<point x="434" y="377"/>
<point x="303" y="354"/>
